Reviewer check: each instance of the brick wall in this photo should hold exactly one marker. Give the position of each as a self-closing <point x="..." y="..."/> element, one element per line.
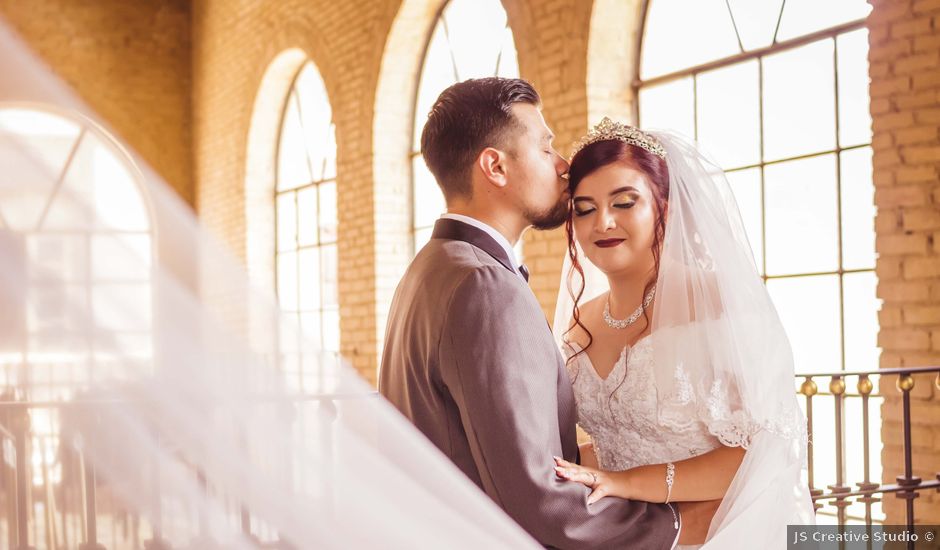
<point x="130" y="61"/>
<point x="905" y="106"/>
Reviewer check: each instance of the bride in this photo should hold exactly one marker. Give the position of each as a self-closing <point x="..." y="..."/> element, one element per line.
<point x="681" y="369"/>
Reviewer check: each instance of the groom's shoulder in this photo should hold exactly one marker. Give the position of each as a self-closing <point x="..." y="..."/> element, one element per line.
<point x="456" y="270"/>
<point x="453" y="257"/>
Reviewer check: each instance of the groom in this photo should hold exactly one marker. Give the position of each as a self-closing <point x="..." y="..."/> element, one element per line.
<point x="469" y="357"/>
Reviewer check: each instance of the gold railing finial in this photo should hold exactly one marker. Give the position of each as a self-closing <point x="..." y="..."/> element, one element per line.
<point x="905" y="382"/>
<point x="808" y="388"/>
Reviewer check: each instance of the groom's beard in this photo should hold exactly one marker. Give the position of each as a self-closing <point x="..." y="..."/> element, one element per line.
<point x="551" y="218"/>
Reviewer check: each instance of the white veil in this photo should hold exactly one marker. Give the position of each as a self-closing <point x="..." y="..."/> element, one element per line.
<point x="721" y="356"/>
<point x="134" y="346"/>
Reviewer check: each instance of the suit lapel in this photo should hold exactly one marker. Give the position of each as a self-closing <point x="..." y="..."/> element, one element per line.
<point x="455" y="230"/>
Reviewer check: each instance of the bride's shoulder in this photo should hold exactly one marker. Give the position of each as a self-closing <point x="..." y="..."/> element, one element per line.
<point x="588" y="313"/>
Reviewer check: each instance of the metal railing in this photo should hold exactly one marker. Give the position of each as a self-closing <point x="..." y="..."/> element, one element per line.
<point x="842" y="493"/>
<point x="60" y="503"/>
<point x="66" y="508"/>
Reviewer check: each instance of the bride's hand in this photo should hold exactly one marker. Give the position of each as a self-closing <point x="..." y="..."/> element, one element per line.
<point x="601" y="483"/>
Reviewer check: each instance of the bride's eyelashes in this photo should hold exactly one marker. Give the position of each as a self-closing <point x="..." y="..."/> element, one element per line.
<point x="582" y="213"/>
<point x="621" y="205"/>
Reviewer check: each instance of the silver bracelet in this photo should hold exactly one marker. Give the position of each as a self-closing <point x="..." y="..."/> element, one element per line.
<point x="670" y="477"/>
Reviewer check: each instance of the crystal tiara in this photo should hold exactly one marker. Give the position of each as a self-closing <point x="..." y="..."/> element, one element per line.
<point x="607" y="129"/>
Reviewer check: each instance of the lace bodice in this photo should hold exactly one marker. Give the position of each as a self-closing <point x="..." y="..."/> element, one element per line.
<point x="621" y="417"/>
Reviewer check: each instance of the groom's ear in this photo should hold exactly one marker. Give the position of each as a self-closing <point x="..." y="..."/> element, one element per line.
<point x="492" y="162"/>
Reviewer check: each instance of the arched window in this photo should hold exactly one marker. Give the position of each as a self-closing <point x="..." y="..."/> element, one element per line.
<point x="777" y="92"/>
<point x="85" y="237"/>
<point x="90" y="216"/>
<point x="305" y="199"/>
<point x="471" y="39"/>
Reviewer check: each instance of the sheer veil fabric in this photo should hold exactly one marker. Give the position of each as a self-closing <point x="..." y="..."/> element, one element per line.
<point x="215" y="403"/>
<point x="720" y="353"/>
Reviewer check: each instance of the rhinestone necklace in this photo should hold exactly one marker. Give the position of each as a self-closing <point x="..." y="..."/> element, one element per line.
<point x="624" y="323"/>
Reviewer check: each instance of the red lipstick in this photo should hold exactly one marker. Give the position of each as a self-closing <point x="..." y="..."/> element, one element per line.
<point x="607" y="243"/>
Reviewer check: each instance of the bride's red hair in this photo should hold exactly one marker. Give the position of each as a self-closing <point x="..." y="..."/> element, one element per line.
<point x="590" y="159"/>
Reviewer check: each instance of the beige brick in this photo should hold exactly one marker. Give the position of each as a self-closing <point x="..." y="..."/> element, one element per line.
<point x="916" y="174"/>
<point x="892" y="121"/>
<point x="891" y="359"/>
<point x="901" y="244"/>
<point x="922" y="437"/>
<point x="917" y="134"/>
<point x="890" y="316"/>
<point x="883" y="140"/>
<point x="926" y="6"/>
<point x="933" y="291"/>
<point x="901" y="195"/>
<point x="935" y="340"/>
<point x="880" y="69"/>
<point x="880" y="106"/>
<point x="885" y="177"/>
<point x="928" y="116"/>
<point x="890" y="86"/>
<point x="878" y="34"/>
<point x="930" y="42"/>
<point x="898" y="291"/>
<point x="921" y="268"/>
<point x="889" y="13"/>
<point x="888" y="267"/>
<point x="921" y="153"/>
<point x="921" y="315"/>
<point x="893" y="48"/>
<point x="904" y="29"/>
<point x="887" y="221"/>
<point x="921" y="98"/>
<point x="925" y="80"/>
<point x="915" y="63"/>
<point x="906" y="339"/>
<point x="887" y="159"/>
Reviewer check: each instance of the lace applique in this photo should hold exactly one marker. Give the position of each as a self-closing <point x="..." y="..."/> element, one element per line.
<point x="623" y="417"/>
<point x="630" y="428"/>
<point x="684" y="394"/>
<point x="737" y="428"/>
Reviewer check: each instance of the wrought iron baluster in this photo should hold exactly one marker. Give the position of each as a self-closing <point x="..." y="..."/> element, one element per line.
<point x="809" y="389"/>
<point x="909" y="481"/>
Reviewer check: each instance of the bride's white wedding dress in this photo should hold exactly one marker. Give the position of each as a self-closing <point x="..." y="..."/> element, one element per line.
<point x="620" y="412"/>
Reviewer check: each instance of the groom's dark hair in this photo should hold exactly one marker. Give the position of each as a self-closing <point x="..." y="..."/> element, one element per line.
<point x="467" y="118"/>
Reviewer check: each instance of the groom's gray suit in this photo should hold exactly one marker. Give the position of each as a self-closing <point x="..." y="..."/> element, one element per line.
<point x="470" y="359"/>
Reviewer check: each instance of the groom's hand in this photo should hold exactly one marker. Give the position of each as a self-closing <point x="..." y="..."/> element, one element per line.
<point x="696" y="518"/>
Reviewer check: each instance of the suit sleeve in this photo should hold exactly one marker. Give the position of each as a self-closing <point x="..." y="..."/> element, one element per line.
<point x="499" y="362"/>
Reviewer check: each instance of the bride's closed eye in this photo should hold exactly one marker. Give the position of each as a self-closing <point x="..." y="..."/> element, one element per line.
<point x="625" y="205"/>
<point x="581" y="212"/>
